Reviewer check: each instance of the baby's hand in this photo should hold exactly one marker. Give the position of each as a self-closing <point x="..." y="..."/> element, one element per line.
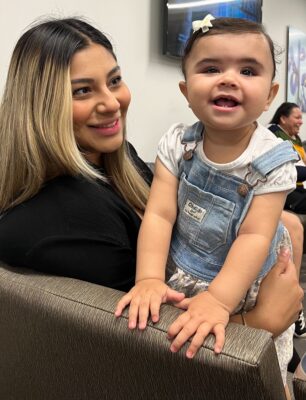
<point x="146" y="296"/>
<point x="204" y="314"/>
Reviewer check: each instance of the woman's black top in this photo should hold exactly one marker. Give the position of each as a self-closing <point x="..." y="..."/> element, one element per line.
<point x="75" y="228"/>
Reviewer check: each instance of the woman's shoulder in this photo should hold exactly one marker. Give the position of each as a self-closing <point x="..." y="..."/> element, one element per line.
<point x="61" y="193"/>
<point x="273" y="128"/>
<point x="48" y="196"/>
<point x="278" y="132"/>
<point x="68" y="204"/>
<point x="68" y="227"/>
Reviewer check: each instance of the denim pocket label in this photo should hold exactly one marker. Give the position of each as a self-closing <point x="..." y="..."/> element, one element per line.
<point x="194" y="211"/>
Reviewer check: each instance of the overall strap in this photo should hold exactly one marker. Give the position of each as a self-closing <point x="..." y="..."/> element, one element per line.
<point x="275" y="157"/>
<point x="190" y="140"/>
<point x="193" y="133"/>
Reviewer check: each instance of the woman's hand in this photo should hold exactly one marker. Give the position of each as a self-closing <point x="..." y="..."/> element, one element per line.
<point x="204" y="315"/>
<point x="279" y="299"/>
<point x="144" y="298"/>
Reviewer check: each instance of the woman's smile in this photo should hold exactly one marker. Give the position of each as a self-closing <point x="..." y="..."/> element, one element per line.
<point x="107" y="129"/>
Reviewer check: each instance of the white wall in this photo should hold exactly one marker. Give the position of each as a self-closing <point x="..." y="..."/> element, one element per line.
<point x="277" y="16"/>
<point x="134" y="27"/>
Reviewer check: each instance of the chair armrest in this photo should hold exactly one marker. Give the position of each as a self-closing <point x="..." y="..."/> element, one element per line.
<point x="59" y="339"/>
<point x="299" y="389"/>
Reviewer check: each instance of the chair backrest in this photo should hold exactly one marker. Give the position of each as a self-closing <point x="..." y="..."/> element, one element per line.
<point x="59" y="339"/>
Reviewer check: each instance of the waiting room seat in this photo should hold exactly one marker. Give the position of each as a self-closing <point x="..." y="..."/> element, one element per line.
<point x="59" y="340"/>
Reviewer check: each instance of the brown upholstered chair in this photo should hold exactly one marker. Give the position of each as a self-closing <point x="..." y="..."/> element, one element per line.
<point x="302" y="218"/>
<point x="59" y="340"/>
<point x="299" y="389"/>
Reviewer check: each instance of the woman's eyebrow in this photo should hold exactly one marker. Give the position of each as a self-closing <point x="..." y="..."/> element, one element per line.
<point x="90" y="80"/>
<point x="114" y="70"/>
<point x="82" y="80"/>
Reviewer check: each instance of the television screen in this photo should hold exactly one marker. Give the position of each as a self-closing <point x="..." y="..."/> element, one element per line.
<point x="179" y="14"/>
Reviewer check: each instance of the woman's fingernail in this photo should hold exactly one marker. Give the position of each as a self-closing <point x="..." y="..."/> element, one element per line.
<point x="189" y="354"/>
<point x="284" y="251"/>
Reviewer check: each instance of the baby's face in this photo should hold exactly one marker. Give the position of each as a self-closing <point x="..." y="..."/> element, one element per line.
<point x="229" y="79"/>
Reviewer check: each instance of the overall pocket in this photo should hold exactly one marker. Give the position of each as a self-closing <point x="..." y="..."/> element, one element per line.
<point x="204" y="218"/>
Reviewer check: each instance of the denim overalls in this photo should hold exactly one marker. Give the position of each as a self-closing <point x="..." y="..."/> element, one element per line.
<point x="212" y="206"/>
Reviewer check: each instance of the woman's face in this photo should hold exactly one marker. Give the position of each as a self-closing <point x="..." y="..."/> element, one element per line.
<point x="100" y="102"/>
<point x="293" y="122"/>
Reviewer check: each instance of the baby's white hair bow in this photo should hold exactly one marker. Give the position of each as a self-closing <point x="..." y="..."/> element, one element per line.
<point x="205" y="24"/>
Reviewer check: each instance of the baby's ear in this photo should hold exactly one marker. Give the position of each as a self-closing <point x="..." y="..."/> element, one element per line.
<point x="273" y="92"/>
<point x="183" y="89"/>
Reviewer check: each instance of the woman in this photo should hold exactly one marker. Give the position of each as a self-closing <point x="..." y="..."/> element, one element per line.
<point x="72" y="191"/>
<point x="63" y="222"/>
<point x="286" y="124"/>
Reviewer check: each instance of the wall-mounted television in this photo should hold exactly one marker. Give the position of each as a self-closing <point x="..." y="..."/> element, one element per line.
<point x="179" y="14"/>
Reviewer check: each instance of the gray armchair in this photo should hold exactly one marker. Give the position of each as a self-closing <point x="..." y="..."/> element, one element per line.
<point x="59" y="340"/>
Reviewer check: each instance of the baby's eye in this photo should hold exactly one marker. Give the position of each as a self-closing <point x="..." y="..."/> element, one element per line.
<point x="81" y="91"/>
<point x="211" y="70"/>
<point x="247" y="72"/>
<point x="116" y="80"/>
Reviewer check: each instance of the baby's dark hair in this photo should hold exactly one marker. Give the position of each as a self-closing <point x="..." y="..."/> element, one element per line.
<point x="229" y="25"/>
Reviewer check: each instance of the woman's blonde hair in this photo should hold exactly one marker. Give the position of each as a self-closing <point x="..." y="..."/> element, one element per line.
<point x="36" y="124"/>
